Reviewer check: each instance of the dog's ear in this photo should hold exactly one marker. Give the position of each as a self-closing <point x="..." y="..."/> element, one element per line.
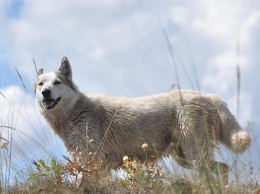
<point x="39" y="72"/>
<point x="65" y="68"/>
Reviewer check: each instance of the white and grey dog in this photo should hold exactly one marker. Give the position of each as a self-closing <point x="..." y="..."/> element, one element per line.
<point x="187" y="125"/>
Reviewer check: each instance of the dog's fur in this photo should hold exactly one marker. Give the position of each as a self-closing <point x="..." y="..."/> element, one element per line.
<point x="187" y="125"/>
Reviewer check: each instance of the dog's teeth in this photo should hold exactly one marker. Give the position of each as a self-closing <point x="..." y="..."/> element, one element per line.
<point x="51" y="103"/>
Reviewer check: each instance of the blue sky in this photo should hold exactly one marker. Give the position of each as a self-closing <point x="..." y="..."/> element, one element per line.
<point x="13" y="9"/>
<point x="119" y="48"/>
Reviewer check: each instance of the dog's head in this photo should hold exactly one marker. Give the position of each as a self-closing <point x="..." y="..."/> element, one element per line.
<point x="55" y="89"/>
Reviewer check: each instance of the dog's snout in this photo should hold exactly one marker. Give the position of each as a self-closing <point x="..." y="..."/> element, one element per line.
<point x="46" y="93"/>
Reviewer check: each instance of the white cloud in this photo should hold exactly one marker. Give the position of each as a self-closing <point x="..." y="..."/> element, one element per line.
<point x="180" y="15"/>
<point x="226" y="21"/>
<point x="68" y="27"/>
<point x="222" y="71"/>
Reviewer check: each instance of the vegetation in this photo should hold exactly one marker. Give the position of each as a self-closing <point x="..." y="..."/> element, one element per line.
<point x="71" y="176"/>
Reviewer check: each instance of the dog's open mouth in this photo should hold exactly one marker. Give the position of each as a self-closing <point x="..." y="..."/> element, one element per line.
<point x="50" y="103"/>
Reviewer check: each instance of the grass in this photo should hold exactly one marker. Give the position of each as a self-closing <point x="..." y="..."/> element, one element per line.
<point x="54" y="177"/>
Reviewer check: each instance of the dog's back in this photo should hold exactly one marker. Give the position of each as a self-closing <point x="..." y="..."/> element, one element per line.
<point x="174" y="117"/>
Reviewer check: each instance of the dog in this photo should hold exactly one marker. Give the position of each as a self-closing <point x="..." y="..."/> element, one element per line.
<point x="186" y="125"/>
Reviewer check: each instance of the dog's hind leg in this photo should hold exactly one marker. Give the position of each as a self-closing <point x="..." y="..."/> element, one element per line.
<point x="221" y="170"/>
<point x="198" y="153"/>
<point x="197" y="137"/>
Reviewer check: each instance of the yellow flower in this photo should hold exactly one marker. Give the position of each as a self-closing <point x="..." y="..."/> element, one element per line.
<point x="4" y="145"/>
<point x="134" y="164"/>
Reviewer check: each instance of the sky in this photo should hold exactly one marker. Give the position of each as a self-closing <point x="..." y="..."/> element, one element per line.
<point x="127" y="48"/>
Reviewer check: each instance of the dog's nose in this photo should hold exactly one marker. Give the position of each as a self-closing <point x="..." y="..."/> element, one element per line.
<point x="46" y="93"/>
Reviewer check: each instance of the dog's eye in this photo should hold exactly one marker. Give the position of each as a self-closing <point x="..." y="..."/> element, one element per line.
<point x="57" y="82"/>
<point x="40" y="83"/>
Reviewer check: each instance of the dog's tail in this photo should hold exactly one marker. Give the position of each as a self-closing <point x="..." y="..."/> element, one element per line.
<point x="231" y="134"/>
<point x="239" y="141"/>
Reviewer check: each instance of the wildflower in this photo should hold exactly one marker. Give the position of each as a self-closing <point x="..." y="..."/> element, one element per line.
<point x="125" y="158"/>
<point x="134" y="164"/>
<point x="145" y="146"/>
<point x="4" y="145"/>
